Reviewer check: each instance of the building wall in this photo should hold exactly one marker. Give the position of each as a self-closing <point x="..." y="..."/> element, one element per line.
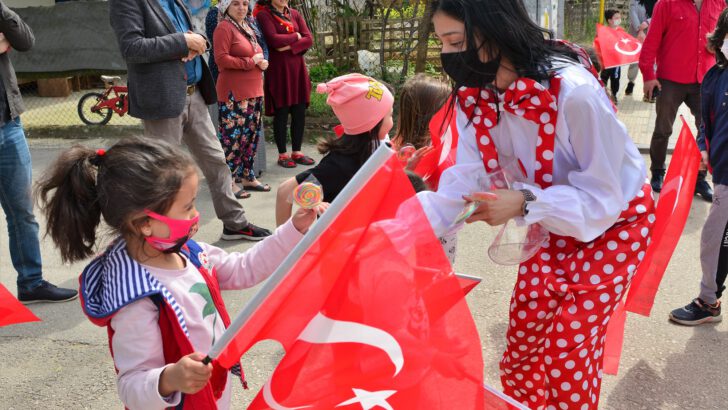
<point x="13" y="4"/>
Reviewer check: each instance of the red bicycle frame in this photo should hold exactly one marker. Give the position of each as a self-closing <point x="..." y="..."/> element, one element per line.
<point x="113" y="102"/>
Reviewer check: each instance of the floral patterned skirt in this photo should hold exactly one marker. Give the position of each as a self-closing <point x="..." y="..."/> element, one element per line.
<point x="239" y="129"/>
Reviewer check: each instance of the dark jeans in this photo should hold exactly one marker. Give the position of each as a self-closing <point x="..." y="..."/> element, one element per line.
<point x="280" y="126"/>
<point x="17" y="203"/>
<point x="612" y="75"/>
<point x="671" y="96"/>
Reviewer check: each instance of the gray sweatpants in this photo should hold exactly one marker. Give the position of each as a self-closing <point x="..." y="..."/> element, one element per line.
<point x="195" y="128"/>
<point x="714" y="247"/>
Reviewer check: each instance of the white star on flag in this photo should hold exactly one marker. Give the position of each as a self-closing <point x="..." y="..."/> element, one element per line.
<point x="370" y="399"/>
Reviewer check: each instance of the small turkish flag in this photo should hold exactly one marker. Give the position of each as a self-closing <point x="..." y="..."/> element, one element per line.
<point x="671" y="214"/>
<point x="368" y="309"/>
<point x="615" y="47"/>
<point x="12" y="311"/>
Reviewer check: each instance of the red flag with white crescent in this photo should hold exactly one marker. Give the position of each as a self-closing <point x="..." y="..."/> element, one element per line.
<point x="615" y="47"/>
<point x="12" y="311"/>
<point x="671" y="214"/>
<point x="369" y="311"/>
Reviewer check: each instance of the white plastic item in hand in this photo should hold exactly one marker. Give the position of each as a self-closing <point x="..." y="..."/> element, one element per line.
<point x="516" y="241"/>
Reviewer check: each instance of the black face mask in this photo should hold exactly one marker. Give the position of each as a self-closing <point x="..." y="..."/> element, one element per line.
<point x="466" y="69"/>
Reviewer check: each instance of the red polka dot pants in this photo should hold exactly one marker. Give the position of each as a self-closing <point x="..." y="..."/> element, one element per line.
<point x="563" y="299"/>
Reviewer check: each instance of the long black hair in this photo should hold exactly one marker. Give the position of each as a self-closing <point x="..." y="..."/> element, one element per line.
<point x="505" y="29"/>
<point x="359" y="146"/>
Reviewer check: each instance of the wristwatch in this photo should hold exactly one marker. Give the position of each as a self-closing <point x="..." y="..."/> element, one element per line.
<point x="528" y="197"/>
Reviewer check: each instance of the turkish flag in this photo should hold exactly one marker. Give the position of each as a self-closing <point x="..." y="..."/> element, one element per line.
<point x="671" y="214"/>
<point x="615" y="47"/>
<point x="444" y="134"/>
<point x="496" y="400"/>
<point x="370" y="312"/>
<point x="12" y="311"/>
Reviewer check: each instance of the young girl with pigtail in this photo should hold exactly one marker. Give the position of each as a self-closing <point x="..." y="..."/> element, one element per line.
<point x="155" y="289"/>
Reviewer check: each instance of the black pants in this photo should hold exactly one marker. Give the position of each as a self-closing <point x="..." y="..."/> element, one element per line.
<point x="612" y="75"/>
<point x="280" y="126"/>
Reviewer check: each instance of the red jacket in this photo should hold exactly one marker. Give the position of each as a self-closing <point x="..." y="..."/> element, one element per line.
<point x="113" y="280"/>
<point x="234" y="57"/>
<point x="676" y="40"/>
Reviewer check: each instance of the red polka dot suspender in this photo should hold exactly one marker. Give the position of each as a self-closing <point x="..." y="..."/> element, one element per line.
<point x="525" y="98"/>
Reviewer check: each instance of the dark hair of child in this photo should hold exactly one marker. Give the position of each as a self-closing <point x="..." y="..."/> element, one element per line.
<point x="360" y="146"/>
<point x="609" y="13"/>
<point x="421" y="97"/>
<point x="715" y="39"/>
<point x="417" y="182"/>
<point x="84" y="184"/>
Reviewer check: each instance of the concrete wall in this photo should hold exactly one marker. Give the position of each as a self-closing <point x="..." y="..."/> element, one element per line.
<point x="14" y="4"/>
<point x="547" y="13"/>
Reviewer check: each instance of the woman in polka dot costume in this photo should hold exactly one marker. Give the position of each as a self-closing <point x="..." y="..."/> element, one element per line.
<point x="520" y="97"/>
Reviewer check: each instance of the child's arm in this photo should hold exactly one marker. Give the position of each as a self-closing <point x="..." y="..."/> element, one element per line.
<point x="241" y="270"/>
<point x="283" y="200"/>
<point x="144" y="381"/>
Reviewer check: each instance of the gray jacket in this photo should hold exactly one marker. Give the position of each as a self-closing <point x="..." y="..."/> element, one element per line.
<point x="153" y="51"/>
<point x="20" y="38"/>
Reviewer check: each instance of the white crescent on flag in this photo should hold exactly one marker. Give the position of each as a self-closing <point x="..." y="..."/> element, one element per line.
<point x="637" y="48"/>
<point x="323" y="330"/>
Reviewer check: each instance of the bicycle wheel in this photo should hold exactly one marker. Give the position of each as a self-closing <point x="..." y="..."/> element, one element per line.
<point x="93" y="117"/>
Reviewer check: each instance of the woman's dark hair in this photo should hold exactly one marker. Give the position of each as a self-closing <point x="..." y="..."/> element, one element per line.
<point x="360" y="145"/>
<point x="609" y="13"/>
<point x="716" y="38"/>
<point x="505" y="29"/>
<point x="83" y="184"/>
<point x="420" y="98"/>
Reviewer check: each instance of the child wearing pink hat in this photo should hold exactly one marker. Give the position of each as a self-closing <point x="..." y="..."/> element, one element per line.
<point x="363" y="105"/>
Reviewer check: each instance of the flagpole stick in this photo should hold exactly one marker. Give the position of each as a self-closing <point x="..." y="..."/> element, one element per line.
<point x="601" y="11"/>
<point x="375" y="161"/>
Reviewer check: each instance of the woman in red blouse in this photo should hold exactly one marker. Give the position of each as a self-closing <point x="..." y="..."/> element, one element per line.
<point x="241" y="64"/>
<point x="287" y="84"/>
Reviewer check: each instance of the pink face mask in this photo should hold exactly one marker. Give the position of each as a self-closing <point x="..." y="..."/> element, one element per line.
<point x="180" y="231"/>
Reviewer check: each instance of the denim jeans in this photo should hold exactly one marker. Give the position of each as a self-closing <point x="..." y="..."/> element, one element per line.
<point x="17" y="203"/>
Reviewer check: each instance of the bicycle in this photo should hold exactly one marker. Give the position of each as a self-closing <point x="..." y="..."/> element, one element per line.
<point x="97" y="108"/>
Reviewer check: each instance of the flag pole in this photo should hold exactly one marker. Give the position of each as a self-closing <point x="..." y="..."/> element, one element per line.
<point x="601" y="11"/>
<point x="377" y="159"/>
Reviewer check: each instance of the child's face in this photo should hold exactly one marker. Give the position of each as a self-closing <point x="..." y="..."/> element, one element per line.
<point x="387" y="124"/>
<point x="615" y="21"/>
<point x="183" y="206"/>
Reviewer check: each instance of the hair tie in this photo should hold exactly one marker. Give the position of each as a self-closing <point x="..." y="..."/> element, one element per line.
<point x="96" y="159"/>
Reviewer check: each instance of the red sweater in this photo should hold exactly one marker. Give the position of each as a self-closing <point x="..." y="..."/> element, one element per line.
<point x="676" y="40"/>
<point x="234" y="57"/>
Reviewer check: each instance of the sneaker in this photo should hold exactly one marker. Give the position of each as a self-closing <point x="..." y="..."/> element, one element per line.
<point x="629" y="89"/>
<point x="46" y="292"/>
<point x="696" y="313"/>
<point x="658" y="177"/>
<point x="250" y="233"/>
<point x="702" y="188"/>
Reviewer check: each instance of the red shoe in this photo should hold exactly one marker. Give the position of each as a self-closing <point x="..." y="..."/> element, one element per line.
<point x="286" y="162"/>
<point x="302" y="159"/>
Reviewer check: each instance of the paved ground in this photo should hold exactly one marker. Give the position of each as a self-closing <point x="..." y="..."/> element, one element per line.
<point x="63" y="362"/>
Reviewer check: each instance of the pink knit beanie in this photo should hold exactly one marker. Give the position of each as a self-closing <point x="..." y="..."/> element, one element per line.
<point x="359" y="102"/>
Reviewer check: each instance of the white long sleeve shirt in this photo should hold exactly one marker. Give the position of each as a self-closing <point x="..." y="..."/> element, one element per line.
<point x="597" y="169"/>
<point x="137" y="341"/>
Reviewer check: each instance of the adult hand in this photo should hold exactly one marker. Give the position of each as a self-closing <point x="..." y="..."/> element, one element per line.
<point x="649" y="87"/>
<point x="417" y="157"/>
<point x="282" y="49"/>
<point x="196" y="42"/>
<point x="4" y="44"/>
<point x="704" y="160"/>
<point x="188" y="375"/>
<point x="190" y="56"/>
<point x="641" y="36"/>
<point x="263" y="64"/>
<point x="299" y="36"/>
<point x="497" y="207"/>
<point x="258" y="57"/>
<point x="304" y="218"/>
